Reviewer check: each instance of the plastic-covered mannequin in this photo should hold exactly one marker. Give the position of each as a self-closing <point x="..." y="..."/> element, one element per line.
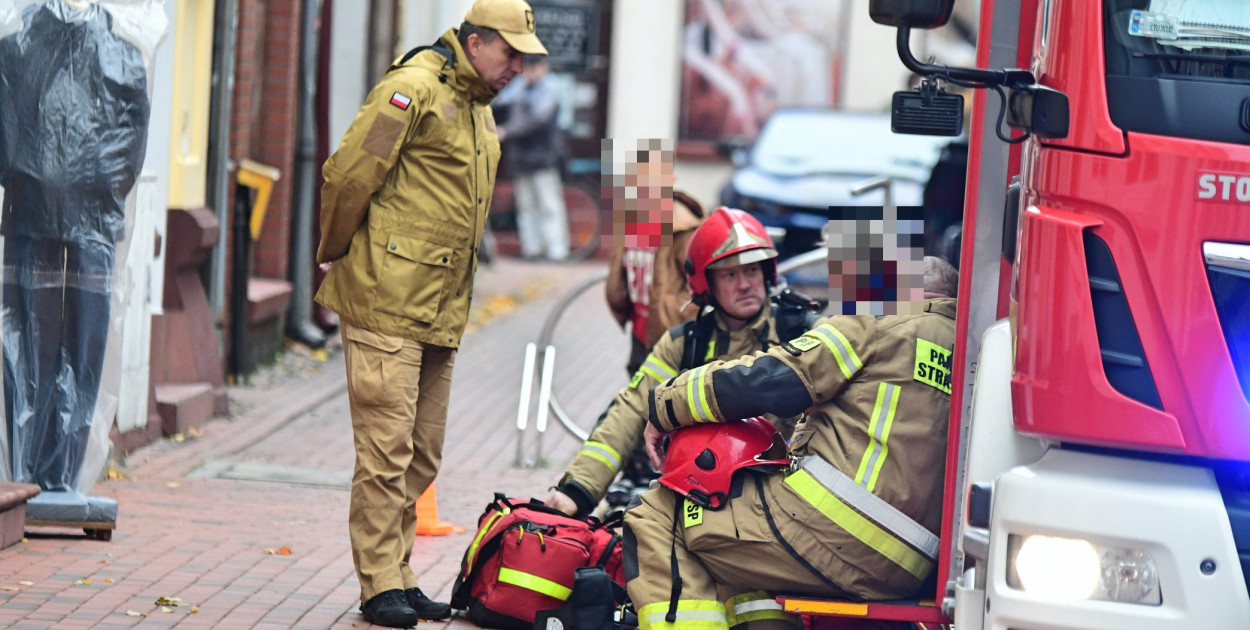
<point x="73" y="131"/>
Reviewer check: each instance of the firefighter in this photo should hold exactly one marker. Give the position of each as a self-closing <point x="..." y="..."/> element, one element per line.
<point x="731" y="262"/>
<point x="853" y="517"/>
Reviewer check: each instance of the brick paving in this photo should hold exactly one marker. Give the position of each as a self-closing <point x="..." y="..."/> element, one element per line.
<point x="209" y="520"/>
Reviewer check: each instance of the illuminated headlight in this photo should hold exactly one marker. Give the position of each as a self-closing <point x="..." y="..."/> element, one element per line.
<point x="1070" y="568"/>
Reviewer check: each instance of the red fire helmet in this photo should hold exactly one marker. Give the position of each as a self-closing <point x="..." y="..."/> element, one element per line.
<point x="701" y="460"/>
<point x="727" y="238"/>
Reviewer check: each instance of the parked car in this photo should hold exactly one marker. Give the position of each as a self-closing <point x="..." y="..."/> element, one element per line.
<point x="807" y="159"/>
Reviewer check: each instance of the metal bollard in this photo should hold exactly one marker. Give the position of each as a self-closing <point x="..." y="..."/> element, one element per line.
<point x="544" y="400"/>
<point x="523" y="409"/>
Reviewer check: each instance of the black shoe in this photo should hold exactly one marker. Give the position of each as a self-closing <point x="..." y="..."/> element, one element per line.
<point x="390" y="609"/>
<point x="426" y="608"/>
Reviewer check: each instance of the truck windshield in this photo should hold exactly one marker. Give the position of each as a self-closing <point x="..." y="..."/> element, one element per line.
<point x="1179" y="67"/>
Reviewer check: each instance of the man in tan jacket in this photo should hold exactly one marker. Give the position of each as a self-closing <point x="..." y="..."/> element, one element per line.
<point x="854" y="517"/>
<point x="405" y="200"/>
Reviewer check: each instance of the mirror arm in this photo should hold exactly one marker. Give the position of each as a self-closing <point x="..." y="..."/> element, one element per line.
<point x="1013" y="78"/>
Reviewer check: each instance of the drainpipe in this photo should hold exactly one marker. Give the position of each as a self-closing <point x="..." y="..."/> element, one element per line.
<point x="299" y="324"/>
<point x="224" y="41"/>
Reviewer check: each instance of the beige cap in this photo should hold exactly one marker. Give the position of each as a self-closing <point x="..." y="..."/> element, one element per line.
<point x="514" y="19"/>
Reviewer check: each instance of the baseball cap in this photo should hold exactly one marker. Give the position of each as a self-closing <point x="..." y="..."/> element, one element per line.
<point x="514" y="19"/>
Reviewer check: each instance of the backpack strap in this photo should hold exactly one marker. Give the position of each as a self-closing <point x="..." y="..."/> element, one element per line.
<point x="696" y="334"/>
<point x="439" y="47"/>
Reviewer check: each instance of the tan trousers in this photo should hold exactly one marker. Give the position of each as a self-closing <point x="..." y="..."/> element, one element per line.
<point x="398" y="391"/>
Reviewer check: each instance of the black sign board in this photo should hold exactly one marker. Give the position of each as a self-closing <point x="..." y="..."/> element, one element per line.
<point x="570" y="31"/>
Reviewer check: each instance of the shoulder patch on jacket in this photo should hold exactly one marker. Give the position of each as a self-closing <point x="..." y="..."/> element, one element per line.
<point x="383" y="133"/>
<point x="400" y="101"/>
<point x="801" y="344"/>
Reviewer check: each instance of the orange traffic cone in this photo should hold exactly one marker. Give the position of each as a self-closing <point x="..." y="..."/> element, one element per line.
<point x="427" y="516"/>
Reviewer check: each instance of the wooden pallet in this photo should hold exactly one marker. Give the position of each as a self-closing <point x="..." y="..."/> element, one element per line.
<point x="96" y="530"/>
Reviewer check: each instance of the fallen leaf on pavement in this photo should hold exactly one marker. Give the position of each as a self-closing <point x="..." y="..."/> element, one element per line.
<point x="281" y="551"/>
<point x="195" y="609"/>
<point x="173" y="484"/>
<point x="170" y="601"/>
<point x="11" y="589"/>
<point x="166" y="609"/>
<point x="83" y="582"/>
<point x="135" y="613"/>
<point x="109" y="580"/>
<point x="178" y="437"/>
<point x="23" y="540"/>
<point x="26" y="583"/>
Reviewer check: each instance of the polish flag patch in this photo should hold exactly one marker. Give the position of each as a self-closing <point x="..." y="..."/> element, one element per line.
<point x="400" y="101"/>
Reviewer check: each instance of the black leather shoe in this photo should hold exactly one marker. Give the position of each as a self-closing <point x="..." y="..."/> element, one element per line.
<point x="426" y="608"/>
<point x="390" y="609"/>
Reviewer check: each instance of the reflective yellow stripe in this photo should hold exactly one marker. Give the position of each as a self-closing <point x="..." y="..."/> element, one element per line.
<point x="692" y="614"/>
<point x="696" y="397"/>
<point x="838" y="345"/>
<point x="603" y="453"/>
<point x="481" y="533"/>
<point x="856" y="525"/>
<point x="754" y="606"/>
<point x="878" y="435"/>
<point x="534" y="583"/>
<point x="663" y="369"/>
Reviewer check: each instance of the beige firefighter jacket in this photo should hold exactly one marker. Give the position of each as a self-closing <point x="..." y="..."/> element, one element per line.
<point x="406" y="197"/>
<point x="669" y="293"/>
<point x="616" y="437"/>
<point x="877" y="397"/>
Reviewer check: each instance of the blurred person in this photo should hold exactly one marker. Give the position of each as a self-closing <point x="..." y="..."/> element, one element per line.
<point x="533" y="151"/>
<point x="405" y="201"/>
<point x="855" y="513"/>
<point x="646" y="285"/>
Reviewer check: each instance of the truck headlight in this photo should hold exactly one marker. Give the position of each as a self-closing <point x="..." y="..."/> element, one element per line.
<point x="1071" y="568"/>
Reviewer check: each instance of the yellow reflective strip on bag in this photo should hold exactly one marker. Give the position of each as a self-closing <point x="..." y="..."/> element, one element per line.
<point x="858" y="526"/>
<point x="534" y="583"/>
<point x="481" y="533"/>
<point x="895" y="393"/>
<point x="692" y="614"/>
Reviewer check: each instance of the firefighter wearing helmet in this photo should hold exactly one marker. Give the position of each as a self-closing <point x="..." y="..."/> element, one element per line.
<point x="731" y="263"/>
<point x="857" y="511"/>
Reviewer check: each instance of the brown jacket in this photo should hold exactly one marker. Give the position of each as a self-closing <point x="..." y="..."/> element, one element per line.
<point x="670" y="291"/>
<point x="877" y="394"/>
<point x="406" y="197"/>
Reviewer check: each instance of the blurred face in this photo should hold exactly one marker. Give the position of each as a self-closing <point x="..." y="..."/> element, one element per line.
<point x="497" y="62"/>
<point x="738" y="291"/>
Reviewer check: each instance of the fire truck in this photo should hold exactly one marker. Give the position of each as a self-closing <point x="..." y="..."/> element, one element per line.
<point x="1098" y="468"/>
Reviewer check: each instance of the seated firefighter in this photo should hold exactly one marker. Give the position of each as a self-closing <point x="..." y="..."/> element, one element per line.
<point x="731" y="263"/>
<point x="854" y="515"/>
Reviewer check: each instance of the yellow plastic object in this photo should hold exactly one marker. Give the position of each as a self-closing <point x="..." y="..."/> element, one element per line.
<point x="192" y="39"/>
<point x="261" y="178"/>
<point x="819" y="607"/>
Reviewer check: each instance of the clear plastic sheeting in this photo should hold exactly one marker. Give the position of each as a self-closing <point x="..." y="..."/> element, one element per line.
<point x="74" y="107"/>
<point x="1193" y="24"/>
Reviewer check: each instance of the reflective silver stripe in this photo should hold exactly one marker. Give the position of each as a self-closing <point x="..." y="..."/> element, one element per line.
<point x="691" y="615"/>
<point x="661" y="368"/>
<point x="614" y="460"/>
<point x="759" y="604"/>
<point x="848" y="361"/>
<point x="872" y="506"/>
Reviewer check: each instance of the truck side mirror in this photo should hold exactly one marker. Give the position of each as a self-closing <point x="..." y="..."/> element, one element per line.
<point x="914" y="13"/>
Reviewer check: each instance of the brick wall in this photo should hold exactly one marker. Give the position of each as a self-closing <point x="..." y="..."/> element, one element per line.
<point x="279" y="108"/>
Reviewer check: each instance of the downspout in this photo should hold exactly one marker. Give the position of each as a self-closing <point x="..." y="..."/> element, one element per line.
<point x="218" y="193"/>
<point x="300" y="326"/>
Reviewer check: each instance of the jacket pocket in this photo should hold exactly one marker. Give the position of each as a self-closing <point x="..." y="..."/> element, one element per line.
<point x="411" y="281"/>
<point x="371" y="361"/>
